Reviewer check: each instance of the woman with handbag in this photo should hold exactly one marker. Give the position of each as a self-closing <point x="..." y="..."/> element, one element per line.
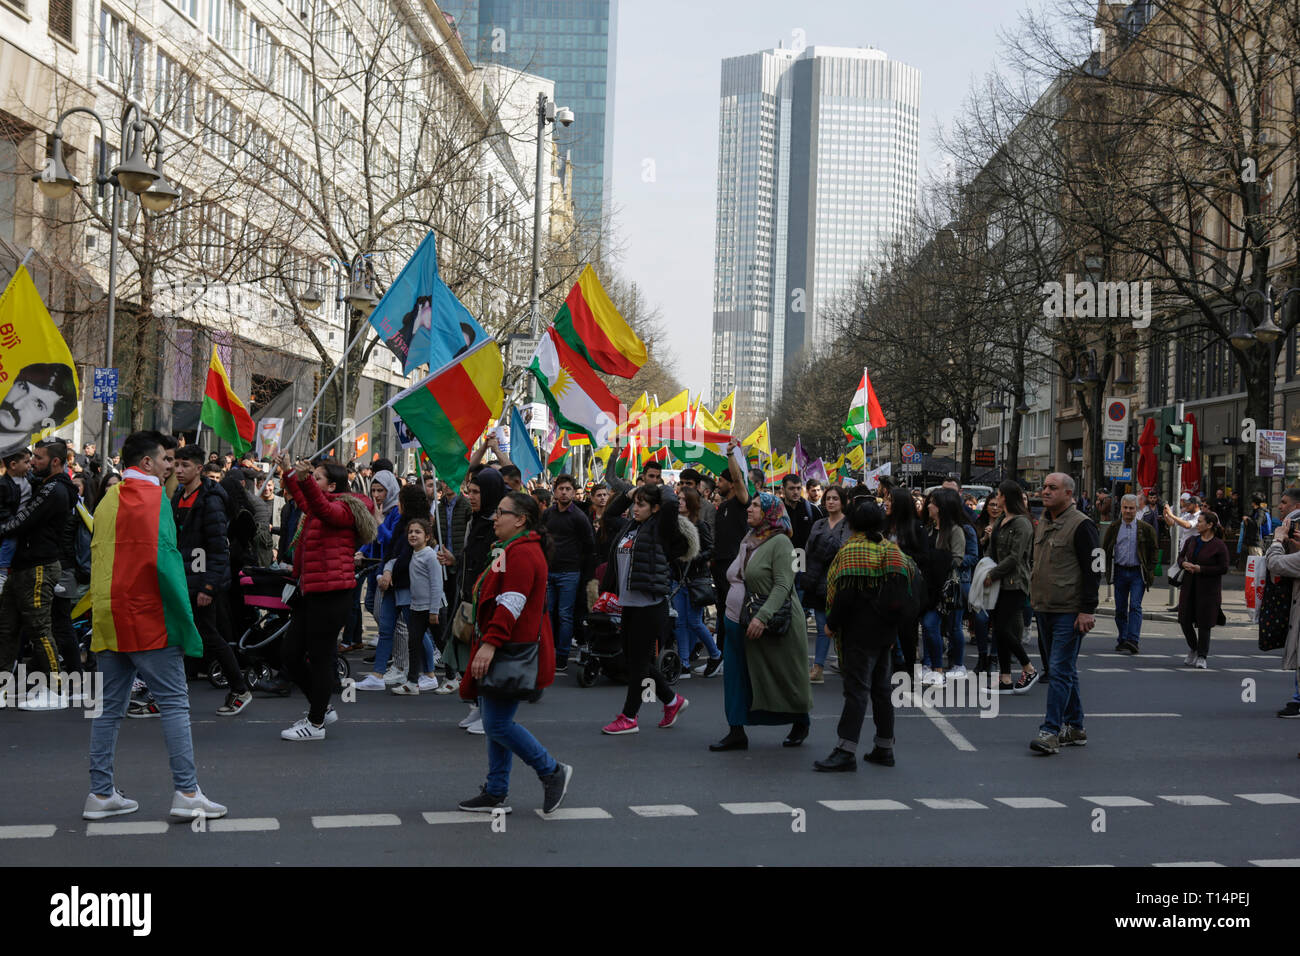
<point x="946" y="519"/>
<point x="1279" y="612"/>
<point x="513" y="657"/>
<point x="1011" y="542"/>
<point x="869" y="590"/>
<point x="1204" y="560"/>
<point x="765" y="651"/>
<point x="694" y="588"/>
<point x="483" y="490"/>
<point x="640" y="571"/>
<point x="825" y="539"/>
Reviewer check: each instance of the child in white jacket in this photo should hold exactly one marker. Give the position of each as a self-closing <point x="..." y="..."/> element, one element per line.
<point x="421" y="613"/>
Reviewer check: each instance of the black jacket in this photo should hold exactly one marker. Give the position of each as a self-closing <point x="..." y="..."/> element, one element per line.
<point x="40" y="525"/>
<point x="658" y="543"/>
<point x="572" y="540"/>
<point x="10" y="498"/>
<point x="201" y="537"/>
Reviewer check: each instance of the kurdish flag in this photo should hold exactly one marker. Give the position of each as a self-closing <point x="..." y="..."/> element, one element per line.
<point x="137" y="578"/>
<point x="864" y="411"/>
<point x="725" y="413"/>
<point x="592" y="327"/>
<point x="696" y="446"/>
<point x="574" y="392"/>
<point x="448" y="411"/>
<point x="223" y="412"/>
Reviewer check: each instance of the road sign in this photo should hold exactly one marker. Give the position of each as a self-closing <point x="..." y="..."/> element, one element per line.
<point x="1116" y="469"/>
<point x="522" y="348"/>
<point x="1113" y="452"/>
<point x="984" y="457"/>
<point x="105" y="389"/>
<point x="910" y="455"/>
<point x="108" y="412"/>
<point x="910" y="468"/>
<point x="1114" y="426"/>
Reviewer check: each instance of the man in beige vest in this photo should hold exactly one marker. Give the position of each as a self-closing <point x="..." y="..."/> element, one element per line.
<point x="1063" y="592"/>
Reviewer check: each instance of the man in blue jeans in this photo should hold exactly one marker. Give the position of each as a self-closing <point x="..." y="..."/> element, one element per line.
<point x="1063" y="591"/>
<point x="573" y="548"/>
<point x="1130" y="546"/>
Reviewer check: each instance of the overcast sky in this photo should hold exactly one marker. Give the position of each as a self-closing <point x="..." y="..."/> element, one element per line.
<point x="666" y="111"/>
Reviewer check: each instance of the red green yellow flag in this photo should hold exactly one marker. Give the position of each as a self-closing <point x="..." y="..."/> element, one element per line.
<point x="448" y="411"/>
<point x="222" y="411"/>
<point x="592" y="327"/>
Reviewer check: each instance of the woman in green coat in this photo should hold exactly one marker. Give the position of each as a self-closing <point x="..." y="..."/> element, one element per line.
<point x="765" y="675"/>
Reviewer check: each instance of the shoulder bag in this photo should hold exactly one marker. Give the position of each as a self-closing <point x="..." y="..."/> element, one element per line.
<point x="780" y="620"/>
<point x="1274" y="613"/>
<point x="512" y="675"/>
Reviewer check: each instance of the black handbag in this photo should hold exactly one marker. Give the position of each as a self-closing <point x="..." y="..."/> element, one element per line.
<point x="512" y="675"/>
<point x="1274" y="613"/>
<point x="779" y="622"/>
<point x="701" y="591"/>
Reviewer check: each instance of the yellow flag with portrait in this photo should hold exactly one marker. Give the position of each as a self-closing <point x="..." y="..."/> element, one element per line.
<point x="38" y="379"/>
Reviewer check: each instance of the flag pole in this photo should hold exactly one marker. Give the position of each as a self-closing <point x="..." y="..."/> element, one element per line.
<point x="365" y="327"/>
<point x="867" y="397"/>
<point x="378" y="411"/>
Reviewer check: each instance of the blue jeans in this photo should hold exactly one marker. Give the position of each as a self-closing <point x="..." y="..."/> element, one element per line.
<point x="1129" y="588"/>
<point x="1062" y="646"/>
<point x="386" y="615"/>
<point x="823" y="647"/>
<point x="690" y="627"/>
<point x="506" y="738"/>
<point x="931" y="639"/>
<point x="164" y="671"/>
<point x="562" y="588"/>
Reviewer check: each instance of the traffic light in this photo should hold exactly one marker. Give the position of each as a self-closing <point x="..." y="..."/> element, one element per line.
<point x="1180" y="445"/>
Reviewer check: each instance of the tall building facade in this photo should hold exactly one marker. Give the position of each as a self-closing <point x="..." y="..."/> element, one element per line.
<point x="817" y="170"/>
<point x="573" y="43"/>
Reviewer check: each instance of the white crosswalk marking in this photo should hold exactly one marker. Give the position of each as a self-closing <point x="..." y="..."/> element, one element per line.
<point x="356" y="820"/>
<point x="1117" y="801"/>
<point x="1109" y="670"/>
<point x="956" y="803"/>
<point x="23" y="833"/>
<point x="1029" y="803"/>
<point x="1243" y="670"/>
<point x="576" y="813"/>
<point x="1268" y="798"/>
<point x="1190" y="863"/>
<point x="664" y="810"/>
<point x="1154" y="670"/>
<point x="745" y="809"/>
<point x="456" y="816"/>
<point x="1275" y="862"/>
<point x="134" y="828"/>
<point x="854" y="805"/>
<point x="244" y="825"/>
<point x="1195" y="800"/>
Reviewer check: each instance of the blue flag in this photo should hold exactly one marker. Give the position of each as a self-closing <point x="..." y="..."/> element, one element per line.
<point x="522" y="451"/>
<point x="420" y="319"/>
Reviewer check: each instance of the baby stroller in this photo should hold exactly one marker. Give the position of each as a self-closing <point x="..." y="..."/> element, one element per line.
<point x="259" y="648"/>
<point x="602" y="648"/>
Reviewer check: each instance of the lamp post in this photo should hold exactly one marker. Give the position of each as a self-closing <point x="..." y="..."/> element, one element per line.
<point x="135" y="174"/>
<point x="547" y="112"/>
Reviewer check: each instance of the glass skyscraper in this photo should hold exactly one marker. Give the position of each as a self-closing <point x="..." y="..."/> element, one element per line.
<point x="573" y="43"/>
<point x="817" y="161"/>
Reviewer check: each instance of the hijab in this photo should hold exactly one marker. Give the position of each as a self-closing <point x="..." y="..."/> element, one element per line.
<point x="480" y="536"/>
<point x="775" y="521"/>
<point x="389" y="482"/>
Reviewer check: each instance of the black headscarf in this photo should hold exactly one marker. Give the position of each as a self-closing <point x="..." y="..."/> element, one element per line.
<point x="482" y="533"/>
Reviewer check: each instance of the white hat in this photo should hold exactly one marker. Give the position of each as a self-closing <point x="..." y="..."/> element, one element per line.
<point x="1184" y="496"/>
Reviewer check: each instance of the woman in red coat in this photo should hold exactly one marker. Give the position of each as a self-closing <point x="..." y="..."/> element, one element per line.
<point x="1204" y="560"/>
<point x="509" y="607"/>
<point x="334" y="524"/>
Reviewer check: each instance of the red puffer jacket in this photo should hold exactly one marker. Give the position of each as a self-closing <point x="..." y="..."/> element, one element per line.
<point x="512" y="608"/>
<point x="336" y="525"/>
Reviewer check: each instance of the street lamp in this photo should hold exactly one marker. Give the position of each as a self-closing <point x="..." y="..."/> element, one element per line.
<point x="547" y="112"/>
<point x="1267" y="332"/>
<point x="134" y="174"/>
<point x="360" y="296"/>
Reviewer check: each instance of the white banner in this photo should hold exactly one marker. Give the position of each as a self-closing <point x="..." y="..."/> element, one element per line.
<point x="269" y="433"/>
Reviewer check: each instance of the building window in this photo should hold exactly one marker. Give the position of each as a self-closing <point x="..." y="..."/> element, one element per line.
<point x="61" y="19"/>
<point x="111" y="53"/>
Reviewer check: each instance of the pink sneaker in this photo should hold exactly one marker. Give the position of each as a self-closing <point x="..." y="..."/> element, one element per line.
<point x="620" y="725"/>
<point x="672" y="710"/>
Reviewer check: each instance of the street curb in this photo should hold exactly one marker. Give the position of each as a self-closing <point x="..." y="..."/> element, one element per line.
<point x="1171" y="617"/>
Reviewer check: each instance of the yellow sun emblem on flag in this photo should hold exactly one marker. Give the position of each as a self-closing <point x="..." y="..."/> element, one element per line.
<point x="563" y="381"/>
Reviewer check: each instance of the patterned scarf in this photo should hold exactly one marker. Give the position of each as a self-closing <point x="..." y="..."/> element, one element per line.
<point x="775" y="520"/>
<point x="863" y="558"/>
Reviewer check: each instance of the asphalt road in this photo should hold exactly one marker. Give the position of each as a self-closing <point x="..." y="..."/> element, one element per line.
<point x="1181" y="767"/>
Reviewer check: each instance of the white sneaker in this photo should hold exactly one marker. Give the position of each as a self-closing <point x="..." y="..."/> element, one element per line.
<point x="448" y="686"/>
<point x="469" y="718"/>
<point x="476" y="728"/>
<point x="958" y="672"/>
<point x="304" y="729"/>
<point x="372" y="682"/>
<point x="43" y="699"/>
<point x="188" y="808"/>
<point x="117" y="804"/>
<point x="1201" y="664"/>
<point x="934" y="679"/>
<point x="684" y="675"/>
<point x="395" y="676"/>
<point x="331" y="715"/>
<point x="1191" y="659"/>
<point x="405" y="689"/>
<point x="427" y="684"/>
<point x="926" y="673"/>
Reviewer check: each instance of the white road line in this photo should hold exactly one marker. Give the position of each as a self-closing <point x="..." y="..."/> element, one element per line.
<point x="745" y="809"/>
<point x="356" y="820"/>
<point x="1039" y="717"/>
<point x="1117" y="801"/>
<point x="1195" y="800"/>
<point x="23" y="833"/>
<point x="1109" y="670"/>
<point x="1154" y="670"/>
<point x="957" y="803"/>
<point x="1233" y="657"/>
<point x="1029" y="803"/>
<point x="1108" y="655"/>
<point x="126" y="829"/>
<point x="1243" y="670"/>
<point x="1190" y="863"/>
<point x="576" y="813"/>
<point x="948" y="730"/>
<point x="456" y="816"/>
<point x="664" y="810"/>
<point x="1275" y="862"/>
<point x="1268" y="798"/>
<point x="853" y="805"/>
<point x="243" y="825"/>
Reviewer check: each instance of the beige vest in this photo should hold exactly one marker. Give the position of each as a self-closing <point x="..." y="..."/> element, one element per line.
<point x="1056" y="581"/>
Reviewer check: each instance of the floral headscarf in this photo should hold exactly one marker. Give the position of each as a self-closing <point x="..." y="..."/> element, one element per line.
<point x="775" y="519"/>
